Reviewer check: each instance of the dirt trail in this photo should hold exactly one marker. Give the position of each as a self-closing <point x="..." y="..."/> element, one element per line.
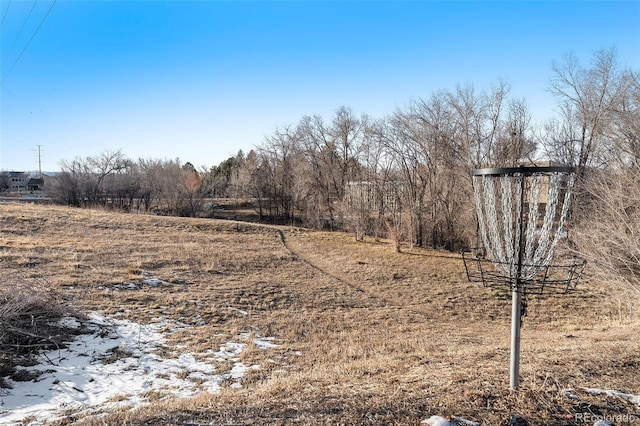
<point x="297" y="250"/>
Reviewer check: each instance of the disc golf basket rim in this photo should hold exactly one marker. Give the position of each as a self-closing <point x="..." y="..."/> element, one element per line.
<point x="525" y="170"/>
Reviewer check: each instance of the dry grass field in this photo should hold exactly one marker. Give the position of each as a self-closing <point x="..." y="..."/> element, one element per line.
<point x="366" y="336"/>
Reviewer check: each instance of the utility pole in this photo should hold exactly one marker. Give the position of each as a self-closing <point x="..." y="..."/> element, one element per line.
<point x="40" y="160"/>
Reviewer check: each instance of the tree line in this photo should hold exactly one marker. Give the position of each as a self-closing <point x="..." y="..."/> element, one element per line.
<point x="406" y="176"/>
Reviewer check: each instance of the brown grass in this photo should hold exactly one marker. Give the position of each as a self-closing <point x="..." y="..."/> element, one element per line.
<point x="366" y="335"/>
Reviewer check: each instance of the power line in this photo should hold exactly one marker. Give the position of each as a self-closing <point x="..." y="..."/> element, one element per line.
<point x="29" y="42"/>
<point x="5" y="14"/>
<point x="24" y="23"/>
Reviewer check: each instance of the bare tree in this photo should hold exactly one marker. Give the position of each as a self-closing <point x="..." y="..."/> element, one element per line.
<point x="514" y="143"/>
<point x="348" y="132"/>
<point x="277" y="165"/>
<point x="90" y="180"/>
<point x="587" y="99"/>
<point x="190" y="190"/>
<point x="252" y="181"/>
<point x="625" y="131"/>
<point x="317" y="145"/>
<point x="332" y="162"/>
<point x="404" y="144"/>
<point x="375" y="197"/>
<point x="607" y="230"/>
<point x="479" y="123"/>
<point x="171" y="187"/>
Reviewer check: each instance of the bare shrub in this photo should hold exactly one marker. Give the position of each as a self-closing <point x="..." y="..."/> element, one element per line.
<point x="608" y="234"/>
<point x="30" y="322"/>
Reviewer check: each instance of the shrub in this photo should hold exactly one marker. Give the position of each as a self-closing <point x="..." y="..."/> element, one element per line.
<point x="30" y="322"/>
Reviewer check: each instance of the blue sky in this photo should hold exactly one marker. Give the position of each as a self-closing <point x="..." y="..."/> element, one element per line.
<point x="200" y="80"/>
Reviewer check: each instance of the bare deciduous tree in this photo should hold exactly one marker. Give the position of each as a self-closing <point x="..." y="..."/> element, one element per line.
<point x="90" y="180"/>
<point x="608" y="228"/>
<point x="278" y="155"/>
<point x="588" y="98"/>
<point x="608" y="214"/>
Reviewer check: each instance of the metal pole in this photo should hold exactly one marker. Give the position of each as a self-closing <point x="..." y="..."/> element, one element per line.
<point x="516" y="297"/>
<point x="39" y="161"/>
<point x="515" y="336"/>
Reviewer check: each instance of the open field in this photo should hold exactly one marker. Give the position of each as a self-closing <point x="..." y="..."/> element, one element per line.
<point x="365" y="335"/>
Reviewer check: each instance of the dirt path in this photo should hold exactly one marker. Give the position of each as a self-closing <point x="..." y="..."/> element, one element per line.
<point x="297" y="250"/>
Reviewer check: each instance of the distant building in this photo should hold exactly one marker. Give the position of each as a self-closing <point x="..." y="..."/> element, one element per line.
<point x="20" y="182"/>
<point x="35" y="184"/>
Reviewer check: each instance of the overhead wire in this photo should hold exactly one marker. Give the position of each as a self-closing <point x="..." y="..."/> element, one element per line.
<point x="24" y="24"/>
<point x="28" y="42"/>
<point x="4" y="15"/>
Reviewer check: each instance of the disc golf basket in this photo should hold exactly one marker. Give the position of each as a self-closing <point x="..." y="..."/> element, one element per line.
<point x="521" y="216"/>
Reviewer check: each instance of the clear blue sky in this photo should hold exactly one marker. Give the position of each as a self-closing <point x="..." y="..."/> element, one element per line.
<point x="201" y="80"/>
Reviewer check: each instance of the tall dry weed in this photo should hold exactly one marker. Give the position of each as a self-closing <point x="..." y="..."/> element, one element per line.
<point x="30" y="317"/>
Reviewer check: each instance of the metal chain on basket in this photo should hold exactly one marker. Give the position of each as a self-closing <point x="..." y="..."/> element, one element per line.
<point x="549" y="219"/>
<point x="507" y="222"/>
<point x="500" y="232"/>
<point x="563" y="217"/>
<point x="495" y="246"/>
<point x="532" y="221"/>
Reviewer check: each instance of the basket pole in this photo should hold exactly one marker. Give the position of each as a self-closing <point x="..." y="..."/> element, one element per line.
<point x="516" y="297"/>
<point x="514" y="375"/>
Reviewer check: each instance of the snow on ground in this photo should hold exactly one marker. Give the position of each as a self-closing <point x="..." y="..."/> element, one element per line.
<point x="116" y="366"/>
<point x="634" y="399"/>
<point x="454" y="421"/>
<point x="583" y="418"/>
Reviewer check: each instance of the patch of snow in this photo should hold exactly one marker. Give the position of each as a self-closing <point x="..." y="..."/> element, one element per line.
<point x="197" y="320"/>
<point x="260" y="342"/>
<point x="437" y="421"/>
<point x="240" y="311"/>
<point x="634" y="399"/>
<point x="69" y="322"/>
<point x="230" y="349"/>
<point x="153" y="282"/>
<point x="455" y="421"/>
<point x="265" y="342"/>
<point x="570" y="393"/>
<point x="115" y="366"/>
